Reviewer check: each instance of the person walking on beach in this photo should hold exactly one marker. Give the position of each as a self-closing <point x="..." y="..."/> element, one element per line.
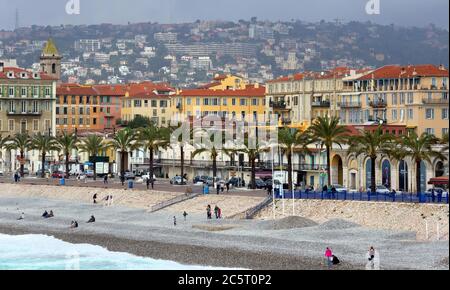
<point x="216" y="211"/>
<point x="208" y="212"/>
<point x="185" y="215"/>
<point x="105" y="179"/>
<point x="94" y="198"/>
<point x="219" y="211"/>
<point x="329" y="257"/>
<point x="218" y="188"/>
<point x="122" y="179"/>
<point x="175" y="221"/>
<point x="147" y="182"/>
<point x="372" y="259"/>
<point x="228" y="187"/>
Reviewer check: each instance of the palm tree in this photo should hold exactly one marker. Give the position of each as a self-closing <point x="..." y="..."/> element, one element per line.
<point x="66" y="144"/>
<point x="371" y="144"/>
<point x="153" y="139"/>
<point x="178" y="137"/>
<point x="92" y="145"/>
<point x="213" y="151"/>
<point x="419" y="148"/>
<point x="20" y="142"/>
<point x="124" y="141"/>
<point x="444" y="142"/>
<point x="3" y="142"/>
<point x="44" y="144"/>
<point x="327" y="131"/>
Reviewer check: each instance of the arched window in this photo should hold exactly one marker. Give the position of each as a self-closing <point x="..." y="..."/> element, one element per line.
<point x="53" y="68"/>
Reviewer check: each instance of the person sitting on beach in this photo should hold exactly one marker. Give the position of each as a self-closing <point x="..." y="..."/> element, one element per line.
<point x="91" y="220"/>
<point x="45" y="214"/>
<point x="74" y="224"/>
<point x="185" y="215"/>
<point x="95" y="198"/>
<point x="22" y="216"/>
<point x="50" y="215"/>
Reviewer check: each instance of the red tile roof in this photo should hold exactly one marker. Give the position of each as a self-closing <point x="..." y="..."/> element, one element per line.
<point x="110" y="90"/>
<point x="210" y="85"/>
<point x="17" y="71"/>
<point x="396" y="72"/>
<point x="149" y="95"/>
<point x="295" y="77"/>
<point x="76" y="90"/>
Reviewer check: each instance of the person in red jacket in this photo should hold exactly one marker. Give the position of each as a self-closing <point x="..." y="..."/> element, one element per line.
<point x="329" y="257"/>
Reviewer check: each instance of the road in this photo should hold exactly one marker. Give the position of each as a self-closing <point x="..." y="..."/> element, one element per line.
<point x="160" y="185"/>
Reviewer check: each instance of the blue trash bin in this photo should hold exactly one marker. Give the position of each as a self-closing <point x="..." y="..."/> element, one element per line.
<point x="205" y="189"/>
<point x="130" y="184"/>
<point x="62" y="181"/>
<point x="422" y="198"/>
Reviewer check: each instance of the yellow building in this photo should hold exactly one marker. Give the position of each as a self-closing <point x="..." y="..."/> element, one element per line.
<point x="147" y="100"/>
<point x="244" y="104"/>
<point x="226" y="82"/>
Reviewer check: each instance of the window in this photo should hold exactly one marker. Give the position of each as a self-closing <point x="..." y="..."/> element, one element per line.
<point x="402" y="98"/>
<point x="444" y="131"/>
<point x="11" y="92"/>
<point x="233" y="102"/>
<point x="154" y="104"/>
<point x="429" y="114"/>
<point x="57" y="110"/>
<point x="80" y="121"/>
<point x="81" y="111"/>
<point x="215" y="102"/>
<point x="255" y="102"/>
<point x="410" y="98"/>
<point x="394" y="115"/>
<point x="188" y="101"/>
<point x="11" y="125"/>
<point x="23" y="92"/>
<point x="1" y="125"/>
<point x="94" y="121"/>
<point x="224" y="101"/>
<point x="197" y="101"/>
<point x="410" y="114"/>
<point x="205" y="101"/>
<point x="243" y="102"/>
<point x="394" y="99"/>
<point x="163" y="104"/>
<point x="137" y="103"/>
<point x="155" y="113"/>
<point x="47" y="91"/>
<point x="47" y="125"/>
<point x="65" y="111"/>
<point x="429" y="131"/>
<point x="445" y="114"/>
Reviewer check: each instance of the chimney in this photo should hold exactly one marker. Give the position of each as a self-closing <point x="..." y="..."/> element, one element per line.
<point x="2" y="66"/>
<point x="441" y="67"/>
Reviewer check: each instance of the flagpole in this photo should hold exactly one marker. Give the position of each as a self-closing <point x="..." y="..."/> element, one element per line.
<point x="273" y="183"/>
<point x="293" y="188"/>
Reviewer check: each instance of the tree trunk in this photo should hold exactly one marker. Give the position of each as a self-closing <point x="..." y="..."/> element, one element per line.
<point x="329" y="165"/>
<point x="150" y="173"/>
<point x="67" y="164"/>
<point x="372" y="175"/>
<point x="289" y="160"/>
<point x="22" y="156"/>
<point x="253" y="177"/>
<point x="182" y="162"/>
<point x="214" y="168"/>
<point x="95" y="167"/>
<point x="418" y="167"/>
<point x="122" y="163"/>
<point x="43" y="165"/>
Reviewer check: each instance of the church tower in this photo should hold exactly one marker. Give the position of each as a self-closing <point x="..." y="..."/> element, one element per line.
<point x="51" y="60"/>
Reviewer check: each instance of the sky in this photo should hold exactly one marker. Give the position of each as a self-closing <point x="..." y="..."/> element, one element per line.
<point x="53" y="12"/>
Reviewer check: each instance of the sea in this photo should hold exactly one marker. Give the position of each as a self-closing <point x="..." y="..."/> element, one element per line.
<point x="41" y="252"/>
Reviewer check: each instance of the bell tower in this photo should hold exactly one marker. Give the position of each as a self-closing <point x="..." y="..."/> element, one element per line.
<point x="51" y="60"/>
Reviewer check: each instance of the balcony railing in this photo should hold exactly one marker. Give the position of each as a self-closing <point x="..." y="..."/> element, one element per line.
<point x="378" y="104"/>
<point x="350" y="104"/>
<point x="436" y="101"/>
<point x="321" y="104"/>
<point x="278" y="105"/>
<point x="29" y="113"/>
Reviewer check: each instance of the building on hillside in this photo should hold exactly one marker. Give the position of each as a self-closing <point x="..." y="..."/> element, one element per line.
<point x="226" y="82"/>
<point x="50" y="60"/>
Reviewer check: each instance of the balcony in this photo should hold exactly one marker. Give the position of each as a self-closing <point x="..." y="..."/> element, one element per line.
<point x="278" y="105"/>
<point x="350" y="104"/>
<point x="435" y="101"/>
<point x="286" y="121"/>
<point x="321" y="104"/>
<point x="29" y="113"/>
<point x="378" y="104"/>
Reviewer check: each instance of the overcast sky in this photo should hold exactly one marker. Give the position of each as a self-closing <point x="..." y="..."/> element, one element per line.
<point x="52" y="12"/>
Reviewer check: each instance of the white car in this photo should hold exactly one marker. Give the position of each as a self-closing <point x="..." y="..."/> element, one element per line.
<point x="147" y="176"/>
<point x="1" y="173"/>
<point x="381" y="189"/>
<point x="339" y="188"/>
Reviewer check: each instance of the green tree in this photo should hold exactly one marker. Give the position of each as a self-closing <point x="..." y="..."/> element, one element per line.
<point x="66" y="143"/>
<point x="371" y="144"/>
<point x="20" y="142"/>
<point x="44" y="144"/>
<point x="139" y="122"/>
<point x="328" y="132"/>
<point x="153" y="139"/>
<point x="419" y="148"/>
<point x="293" y="140"/>
<point x="211" y="149"/>
<point x="92" y="145"/>
<point x="124" y="141"/>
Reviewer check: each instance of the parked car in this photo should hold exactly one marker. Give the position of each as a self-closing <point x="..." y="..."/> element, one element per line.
<point x="339" y="188"/>
<point x="39" y="172"/>
<point x="59" y="174"/>
<point x="1" y="173"/>
<point x="259" y="184"/>
<point x="383" y="190"/>
<point x="147" y="176"/>
<point x="236" y="182"/>
<point x="437" y="190"/>
<point x="129" y="175"/>
<point x="26" y="171"/>
<point x="200" y="179"/>
<point x="178" y="180"/>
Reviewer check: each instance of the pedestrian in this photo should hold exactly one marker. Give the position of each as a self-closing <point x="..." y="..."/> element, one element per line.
<point x="329" y="257"/>
<point x="16" y="177"/>
<point x="208" y="212"/>
<point x="433" y="195"/>
<point x="105" y="179"/>
<point x="228" y="187"/>
<point x="122" y="179"/>
<point x="147" y="181"/>
<point x="371" y="258"/>
<point x="218" y="188"/>
<point x="216" y="211"/>
<point x="174" y="221"/>
<point x="222" y="187"/>
<point x="152" y="182"/>
<point x="269" y="189"/>
<point x="325" y="189"/>
<point x="94" y="198"/>
<point x="220" y="212"/>
<point x="185" y="215"/>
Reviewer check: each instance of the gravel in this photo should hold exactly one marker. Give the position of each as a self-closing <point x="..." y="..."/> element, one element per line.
<point x="292" y="222"/>
<point x="338" y="224"/>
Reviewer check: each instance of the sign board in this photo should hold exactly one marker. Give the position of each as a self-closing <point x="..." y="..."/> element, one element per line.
<point x="281" y="176"/>
<point x="102" y="168"/>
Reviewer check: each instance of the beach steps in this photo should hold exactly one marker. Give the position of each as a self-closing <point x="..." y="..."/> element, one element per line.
<point x="170" y="202"/>
<point x="252" y="212"/>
